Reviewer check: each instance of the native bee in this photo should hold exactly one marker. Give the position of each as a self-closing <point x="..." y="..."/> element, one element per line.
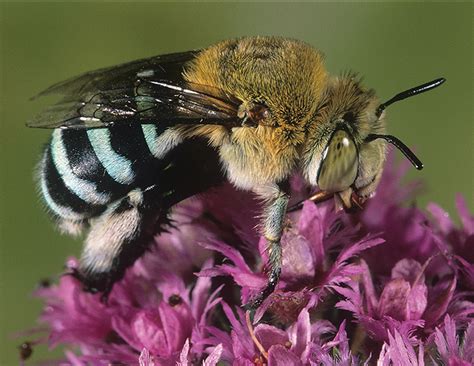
<point x="132" y="140"/>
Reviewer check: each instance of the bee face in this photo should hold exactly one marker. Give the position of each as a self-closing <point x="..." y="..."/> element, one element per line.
<point x="336" y="155"/>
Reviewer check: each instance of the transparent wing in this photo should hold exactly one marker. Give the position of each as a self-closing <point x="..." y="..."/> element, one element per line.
<point x="145" y="91"/>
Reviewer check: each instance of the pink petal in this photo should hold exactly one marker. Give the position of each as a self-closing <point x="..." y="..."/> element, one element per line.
<point x="280" y="356"/>
<point x="409" y="270"/>
<point x="355" y="249"/>
<point x="201" y="293"/>
<point x="214" y="357"/>
<point x="300" y="333"/>
<point x="438" y="302"/>
<point x="269" y="335"/>
<point x="148" y="329"/>
<point x="146" y="359"/>
<point x="452" y="342"/>
<point x="369" y="289"/>
<point x="123" y="329"/>
<point x="401" y="351"/>
<point x="297" y="258"/>
<point x="417" y="301"/>
<point x="466" y="218"/>
<point x="74" y="360"/>
<point x="458" y="362"/>
<point x="177" y="325"/>
<point x="310" y="226"/>
<point x="469" y="342"/>
<point x="241" y="341"/>
<point x="394" y="299"/>
<point x="441" y="217"/>
<point x="320" y="328"/>
<point x="231" y="253"/>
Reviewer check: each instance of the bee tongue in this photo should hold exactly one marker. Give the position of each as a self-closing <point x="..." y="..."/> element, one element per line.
<point x="348" y="201"/>
<point x="318" y="197"/>
<point x="342" y="200"/>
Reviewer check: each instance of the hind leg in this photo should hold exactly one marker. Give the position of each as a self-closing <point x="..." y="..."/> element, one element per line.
<point x="72" y="227"/>
<point x="117" y="238"/>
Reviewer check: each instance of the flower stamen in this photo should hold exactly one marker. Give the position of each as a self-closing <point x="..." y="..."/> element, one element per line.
<point x="254" y="338"/>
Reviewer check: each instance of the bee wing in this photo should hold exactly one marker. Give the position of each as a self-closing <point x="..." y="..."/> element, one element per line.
<point x="146" y="91"/>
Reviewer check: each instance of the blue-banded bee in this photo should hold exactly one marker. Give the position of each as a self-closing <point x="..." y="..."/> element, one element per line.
<point x="131" y="141"/>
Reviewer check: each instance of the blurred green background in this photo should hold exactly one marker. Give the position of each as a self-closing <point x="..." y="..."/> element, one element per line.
<point x="394" y="46"/>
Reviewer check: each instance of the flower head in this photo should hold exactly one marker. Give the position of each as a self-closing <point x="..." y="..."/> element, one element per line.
<point x="152" y="311"/>
<point x="391" y="284"/>
<point x="449" y="349"/>
<point x="406" y="301"/>
<point x="445" y="348"/>
<point x="308" y="272"/>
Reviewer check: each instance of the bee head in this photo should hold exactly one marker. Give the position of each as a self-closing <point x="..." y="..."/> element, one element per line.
<point x="345" y="149"/>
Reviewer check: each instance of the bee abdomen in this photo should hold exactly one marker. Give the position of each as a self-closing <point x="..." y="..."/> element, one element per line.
<point x="61" y="199"/>
<point x="83" y="171"/>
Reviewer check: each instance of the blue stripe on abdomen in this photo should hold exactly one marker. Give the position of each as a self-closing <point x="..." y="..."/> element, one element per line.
<point x="130" y="142"/>
<point x="160" y="142"/>
<point x="85" y="164"/>
<point x="57" y="208"/>
<point x="85" y="170"/>
<point x="59" y="198"/>
<point x="116" y="165"/>
<point x="84" y="189"/>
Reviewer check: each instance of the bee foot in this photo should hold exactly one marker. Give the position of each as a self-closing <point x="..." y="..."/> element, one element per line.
<point x="98" y="283"/>
<point x="254" y="303"/>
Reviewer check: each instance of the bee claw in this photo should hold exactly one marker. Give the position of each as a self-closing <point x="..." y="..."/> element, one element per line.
<point x="253" y="304"/>
<point x="100" y="283"/>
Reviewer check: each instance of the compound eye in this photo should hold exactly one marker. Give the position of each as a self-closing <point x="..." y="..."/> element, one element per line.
<point x="340" y="162"/>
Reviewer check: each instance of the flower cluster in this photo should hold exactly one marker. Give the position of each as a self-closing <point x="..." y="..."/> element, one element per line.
<point x="389" y="285"/>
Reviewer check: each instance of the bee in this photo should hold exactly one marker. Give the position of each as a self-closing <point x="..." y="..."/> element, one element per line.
<point x="131" y="141"/>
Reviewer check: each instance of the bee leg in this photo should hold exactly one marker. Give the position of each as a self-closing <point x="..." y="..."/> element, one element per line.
<point x="273" y="219"/>
<point x="116" y="239"/>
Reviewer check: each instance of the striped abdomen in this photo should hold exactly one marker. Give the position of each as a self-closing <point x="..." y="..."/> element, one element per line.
<point x="85" y="170"/>
<point x="126" y="178"/>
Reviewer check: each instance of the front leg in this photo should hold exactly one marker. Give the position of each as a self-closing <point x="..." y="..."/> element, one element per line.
<point x="276" y="198"/>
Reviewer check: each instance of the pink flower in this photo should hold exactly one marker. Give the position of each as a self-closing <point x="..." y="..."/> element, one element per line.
<point x="152" y="308"/>
<point x="303" y="343"/>
<point x="400" y="352"/>
<point x="308" y="273"/>
<point x="211" y="360"/>
<point x="393" y="282"/>
<point x="407" y="302"/>
<point x="446" y="350"/>
<point x="456" y="243"/>
<point x="404" y="227"/>
<point x="449" y="348"/>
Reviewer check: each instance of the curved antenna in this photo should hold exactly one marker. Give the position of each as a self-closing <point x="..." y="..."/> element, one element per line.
<point x="410" y="93"/>
<point x="410" y="155"/>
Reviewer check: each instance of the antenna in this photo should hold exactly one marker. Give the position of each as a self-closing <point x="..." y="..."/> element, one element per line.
<point x="410" y="155"/>
<point x="410" y="93"/>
